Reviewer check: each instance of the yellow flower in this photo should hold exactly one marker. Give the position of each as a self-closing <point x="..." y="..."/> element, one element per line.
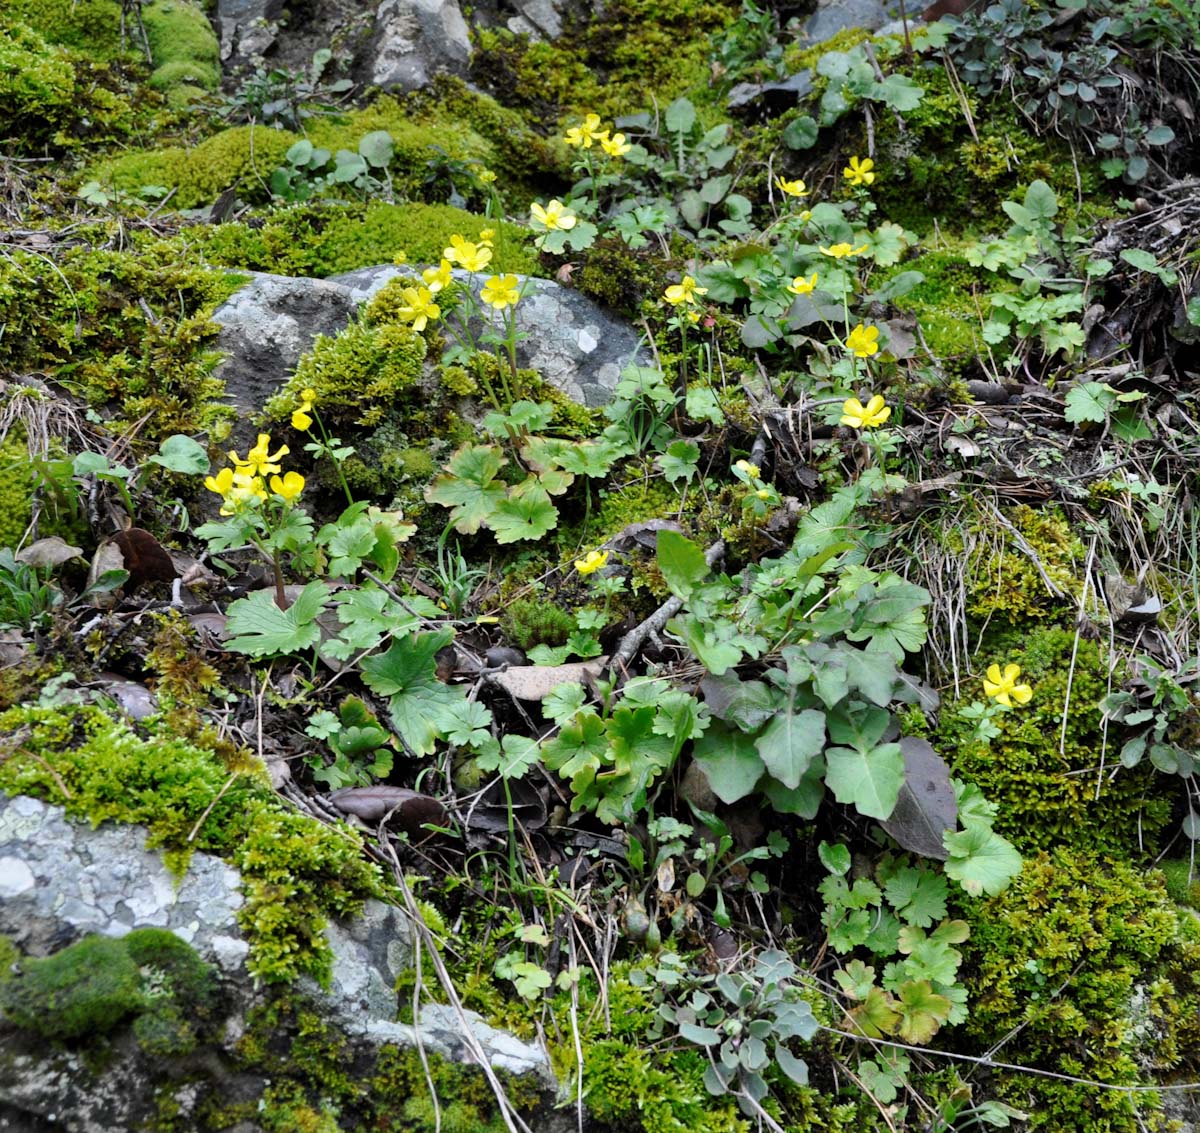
<point x="289" y="487"/>
<point x="616" y="146"/>
<point x="221" y="482"/>
<point x="763" y="493"/>
<point x="309" y="394"/>
<point x="473" y="257"/>
<point x="791" y="188"/>
<point x="438" y="277"/>
<point x="593" y="561"/>
<point x="870" y="416"/>
<point x="501" y="291"/>
<point x="805" y="216"/>
<point x="419" y="308"/>
<point x="587" y="132"/>
<point x="863" y="341"/>
<point x="257" y="459"/>
<point x="802" y="286"/>
<point x="487" y="176"/>
<point x="1003" y="687"/>
<point x="554" y="215"/>
<point x="684" y="292"/>
<point x="859" y="172"/>
<point x="841" y="251"/>
<point x="750" y="471"/>
<point x="301" y="421"/>
<point x="400" y="258"/>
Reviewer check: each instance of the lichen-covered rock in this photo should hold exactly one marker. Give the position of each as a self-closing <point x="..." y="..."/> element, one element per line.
<point x="415" y="40"/>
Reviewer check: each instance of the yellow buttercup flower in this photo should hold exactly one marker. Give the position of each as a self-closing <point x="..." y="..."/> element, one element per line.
<point x="300" y="417"/>
<point x="869" y="416"/>
<point x="592" y="562"/>
<point x="841" y="251"/>
<point x="289" y="487"/>
<point x="221" y="482"/>
<point x="257" y="461"/>
<point x="465" y="253"/>
<point x="400" y="258"/>
<point x="555" y="215"/>
<point x="587" y="132"/>
<point x="438" y="277"/>
<point x="487" y="176"/>
<point x="791" y="188"/>
<point x="1003" y="687"/>
<point x="750" y="471"/>
<point x="859" y="172"/>
<point x="419" y="308"/>
<point x="616" y="146"/>
<point x="308" y="394"/>
<point x="487" y="236"/>
<point x="802" y="286"/>
<point x="684" y="292"/>
<point x="863" y="341"/>
<point x="501" y="291"/>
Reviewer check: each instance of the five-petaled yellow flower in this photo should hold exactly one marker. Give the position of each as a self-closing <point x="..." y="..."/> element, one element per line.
<point x="258" y="462"/>
<point x="419" y="307"/>
<point x="501" y="291"/>
<point x="869" y="416"/>
<point x="289" y="487"/>
<point x="236" y="489"/>
<point x="592" y="562"/>
<point x="487" y="236"/>
<point x="684" y="292"/>
<point x="587" y="132"/>
<point x="438" y="277"/>
<point x="750" y="471"/>
<point x="802" y="286"/>
<point x="1003" y="687"/>
<point x="554" y="215"/>
<point x="791" y="188"/>
<point x="859" y="172"/>
<point x="616" y="146"/>
<point x="863" y="341"/>
<point x="465" y="253"/>
<point x="841" y="251"/>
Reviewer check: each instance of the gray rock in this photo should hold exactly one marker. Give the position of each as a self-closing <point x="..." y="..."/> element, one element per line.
<point x="540" y="19"/>
<point x="573" y="343"/>
<point x="774" y="96"/>
<point x="839" y="15"/>
<point x="61" y="880"/>
<point x="415" y="40"/>
<point x="247" y="28"/>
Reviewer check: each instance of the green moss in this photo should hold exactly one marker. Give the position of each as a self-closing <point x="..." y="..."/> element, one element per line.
<point x="530" y="622"/>
<point x="947" y="304"/>
<point x="87" y="988"/>
<point x="326" y="239"/>
<point x="642" y="498"/>
<point x="37" y="84"/>
<point x="185" y="72"/>
<point x="1182" y="881"/>
<point x="295" y="872"/>
<point x="1081" y="964"/>
<point x="89" y="26"/>
<point x="1049" y="796"/>
<point x="16" y="490"/>
<point x="179" y="31"/>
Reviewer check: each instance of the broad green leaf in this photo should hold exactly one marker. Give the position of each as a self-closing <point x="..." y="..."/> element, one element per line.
<point x="856" y="979"/>
<point x="682" y="563"/>
<point x="869" y="779"/>
<point x="529" y="979"/>
<point x="681" y="116"/>
<point x="729" y="761"/>
<point x="422" y="714"/>
<point x="795" y="1068"/>
<point x="529" y="517"/>
<point x="179" y="453"/>
<point x="899" y="92"/>
<point x="981" y="861"/>
<point x="468" y="486"/>
<point x="801" y="133"/>
<point x="835" y="858"/>
<point x="679" y="461"/>
<point x="790" y="742"/>
<point x="1040" y="201"/>
<point x="876" y="1016"/>
<point x="803" y="801"/>
<point x="259" y="627"/>
<point x="513" y="759"/>
<point x="1089" y="401"/>
<point x="376" y="148"/>
<point x="922" y="1011"/>
<point x="407" y="663"/>
<point x="580" y="745"/>
<point x="918" y="895"/>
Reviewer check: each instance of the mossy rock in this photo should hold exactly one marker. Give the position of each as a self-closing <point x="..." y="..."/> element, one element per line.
<point x="185" y="72"/>
<point x="179" y="31"/>
<point x="37" y="84"/>
<point x="92" y="27"/>
<point x="1082" y="964"/>
<point x="87" y="988"/>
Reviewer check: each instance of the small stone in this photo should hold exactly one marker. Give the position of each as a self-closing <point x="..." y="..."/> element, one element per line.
<point x="15" y="877"/>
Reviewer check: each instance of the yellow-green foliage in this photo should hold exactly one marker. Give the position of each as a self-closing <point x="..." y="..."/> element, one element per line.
<point x="92" y="27"/>
<point x="529" y="622"/>
<point x="295" y="872"/>
<point x="642" y="498"/>
<point x="631" y="55"/>
<point x="182" y="45"/>
<point x="1003" y="581"/>
<point x="1047" y="797"/>
<point x="329" y="238"/>
<point x="37" y="84"/>
<point x="1081" y="963"/>
<point x="245" y="156"/>
<point x="947" y="306"/>
<point x="16" y="486"/>
<point x="127" y="330"/>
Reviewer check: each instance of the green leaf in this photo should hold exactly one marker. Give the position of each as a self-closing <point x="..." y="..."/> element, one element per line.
<point x="922" y="1011"/>
<point x="468" y="486"/>
<point x="513" y="759"/>
<point x="870" y="780"/>
<point x="529" y="979"/>
<point x="981" y="861"/>
<point x="421" y="705"/>
<point x="179" y="453"/>
<point x="530" y="516"/>
<point x="1140" y="259"/>
<point x="579" y="746"/>
<point x="682" y="563"/>
<point x="1040" y="201"/>
<point x="1089" y="401"/>
<point x="790" y="742"/>
<point x="801" y="133"/>
<point x="729" y="761"/>
<point x="918" y="895"/>
<point x="260" y="628"/>
<point x="835" y="858"/>
<point x="679" y="461"/>
<point x="899" y="92"/>
<point x="681" y="116"/>
<point x="803" y="801"/>
<point x="407" y="664"/>
<point x="877" y="1015"/>
<point x="376" y="148"/>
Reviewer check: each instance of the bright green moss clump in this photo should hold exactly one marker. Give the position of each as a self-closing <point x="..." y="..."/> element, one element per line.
<point x="92" y="27"/>
<point x="37" y="83"/>
<point x="295" y="872"/>
<point x="179" y="33"/>
<point x="1049" y="797"/>
<point x="1081" y="963"/>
